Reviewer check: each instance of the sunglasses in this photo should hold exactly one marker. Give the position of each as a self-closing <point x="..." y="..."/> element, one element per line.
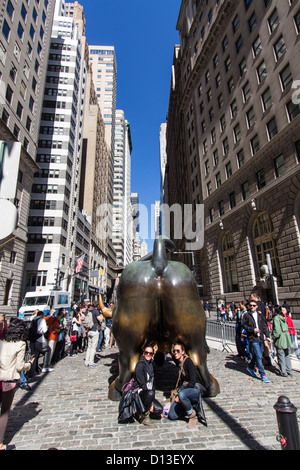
<point x="252" y="305"/>
<point x="175" y="351"/>
<point x="150" y="353"/>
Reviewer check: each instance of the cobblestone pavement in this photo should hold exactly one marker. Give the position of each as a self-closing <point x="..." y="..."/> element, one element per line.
<point x="68" y="409"/>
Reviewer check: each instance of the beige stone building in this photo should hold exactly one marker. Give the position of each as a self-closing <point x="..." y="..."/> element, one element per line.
<point x="233" y="143"/>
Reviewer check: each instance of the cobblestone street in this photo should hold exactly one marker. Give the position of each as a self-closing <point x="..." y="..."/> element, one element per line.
<point x="68" y="409"/>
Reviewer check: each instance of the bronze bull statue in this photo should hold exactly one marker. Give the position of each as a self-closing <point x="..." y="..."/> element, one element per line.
<point x="157" y="301"/>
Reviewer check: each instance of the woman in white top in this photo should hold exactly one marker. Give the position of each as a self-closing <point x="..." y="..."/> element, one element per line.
<point x="12" y="362"/>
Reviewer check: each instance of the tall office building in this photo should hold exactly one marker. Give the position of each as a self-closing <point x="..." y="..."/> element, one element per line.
<point x="233" y="143"/>
<point x="104" y="71"/>
<point x="136" y="226"/>
<point x="59" y="233"/>
<point x="24" y="45"/>
<point x="93" y="195"/>
<point x="122" y="217"/>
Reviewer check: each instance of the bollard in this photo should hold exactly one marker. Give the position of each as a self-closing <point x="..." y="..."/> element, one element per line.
<point x="287" y="424"/>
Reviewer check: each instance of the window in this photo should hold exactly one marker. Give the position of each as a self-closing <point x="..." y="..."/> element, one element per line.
<point x="239" y="44"/>
<point x="256" y="46"/>
<point x="297" y="22"/>
<point x="221" y="208"/>
<point x="272" y="128"/>
<point x="273" y="21"/>
<point x="10" y="9"/>
<point x="250" y="116"/>
<point x="297" y="149"/>
<point x="5" y="30"/>
<point x="19" y="110"/>
<point x="234" y="109"/>
<point x="47" y="257"/>
<point x="264" y="242"/>
<point x="9" y="94"/>
<point x="20" y="31"/>
<point x="286" y="77"/>
<point x="228" y="170"/>
<point x="235" y="23"/>
<point x="241" y="158"/>
<point x="254" y="143"/>
<point x="252" y="22"/>
<point x="247" y="3"/>
<point x="266" y="99"/>
<point x="36" y="279"/>
<point x="245" y="190"/>
<point x="260" y="179"/>
<point x="7" y="292"/>
<point x="237" y="133"/>
<point x="246" y="92"/>
<point x="279" y="48"/>
<point x="261" y="72"/>
<point x="229" y="264"/>
<point x="225" y="145"/>
<point x="218" y="180"/>
<point x="293" y="109"/>
<point x="232" y="201"/>
<point x="279" y="165"/>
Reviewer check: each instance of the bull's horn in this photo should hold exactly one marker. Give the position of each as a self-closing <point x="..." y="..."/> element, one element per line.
<point x="107" y="312"/>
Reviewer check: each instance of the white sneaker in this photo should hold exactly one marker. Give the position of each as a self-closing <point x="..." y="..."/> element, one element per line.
<point x="47" y="369"/>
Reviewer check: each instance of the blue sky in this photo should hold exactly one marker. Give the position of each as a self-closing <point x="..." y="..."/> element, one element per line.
<point x="144" y="35"/>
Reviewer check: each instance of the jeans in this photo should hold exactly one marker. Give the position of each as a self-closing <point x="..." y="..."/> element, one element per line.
<point x="295" y="345"/>
<point x="256" y="349"/>
<point x="187" y="398"/>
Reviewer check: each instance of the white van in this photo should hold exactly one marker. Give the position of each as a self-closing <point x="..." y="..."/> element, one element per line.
<point x="44" y="300"/>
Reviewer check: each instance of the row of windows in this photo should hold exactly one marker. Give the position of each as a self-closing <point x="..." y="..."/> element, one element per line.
<point x="263" y="242"/>
<point x="279" y="170"/>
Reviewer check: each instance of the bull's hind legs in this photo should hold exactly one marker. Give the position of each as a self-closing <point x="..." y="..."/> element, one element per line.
<point x="127" y="363"/>
<point x="206" y="379"/>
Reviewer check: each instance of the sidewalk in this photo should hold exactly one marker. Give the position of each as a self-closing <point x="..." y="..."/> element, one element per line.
<point x="68" y="409"/>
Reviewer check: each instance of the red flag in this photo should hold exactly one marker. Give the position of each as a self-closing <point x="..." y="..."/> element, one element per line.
<point x="79" y="264"/>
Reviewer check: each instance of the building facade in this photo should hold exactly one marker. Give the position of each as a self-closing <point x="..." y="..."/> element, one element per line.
<point x="233" y="143"/>
<point x="59" y="233"/>
<point x="104" y="72"/>
<point x="24" y="47"/>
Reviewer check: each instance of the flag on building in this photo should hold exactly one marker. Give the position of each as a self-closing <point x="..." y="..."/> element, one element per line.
<point x="79" y="264"/>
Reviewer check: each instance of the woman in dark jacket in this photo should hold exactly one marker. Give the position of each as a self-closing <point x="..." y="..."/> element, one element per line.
<point x="144" y="382"/>
<point x="189" y="393"/>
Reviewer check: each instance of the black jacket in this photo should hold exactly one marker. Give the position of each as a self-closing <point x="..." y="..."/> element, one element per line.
<point x="188" y="376"/>
<point x="248" y="324"/>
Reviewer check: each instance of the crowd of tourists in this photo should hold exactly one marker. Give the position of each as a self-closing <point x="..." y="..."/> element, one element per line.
<point x="263" y="332"/>
<point x="30" y="349"/>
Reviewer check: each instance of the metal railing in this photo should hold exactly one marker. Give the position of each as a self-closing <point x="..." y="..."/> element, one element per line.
<point x="221" y="332"/>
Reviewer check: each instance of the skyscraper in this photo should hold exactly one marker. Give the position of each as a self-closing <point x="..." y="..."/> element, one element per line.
<point x="59" y="233"/>
<point x="24" y="46"/>
<point x="104" y="71"/>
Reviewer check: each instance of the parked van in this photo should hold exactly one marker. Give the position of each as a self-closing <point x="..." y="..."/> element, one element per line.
<point x="44" y="300"/>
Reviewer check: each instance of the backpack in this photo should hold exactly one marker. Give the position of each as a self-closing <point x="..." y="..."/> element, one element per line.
<point x="88" y="322"/>
<point x="33" y="335"/>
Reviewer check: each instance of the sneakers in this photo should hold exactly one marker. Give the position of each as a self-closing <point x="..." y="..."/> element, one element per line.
<point x="252" y="372"/>
<point x="265" y="379"/>
<point x="47" y="369"/>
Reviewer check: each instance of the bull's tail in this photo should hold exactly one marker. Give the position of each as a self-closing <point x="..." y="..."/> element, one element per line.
<point x="159" y="255"/>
